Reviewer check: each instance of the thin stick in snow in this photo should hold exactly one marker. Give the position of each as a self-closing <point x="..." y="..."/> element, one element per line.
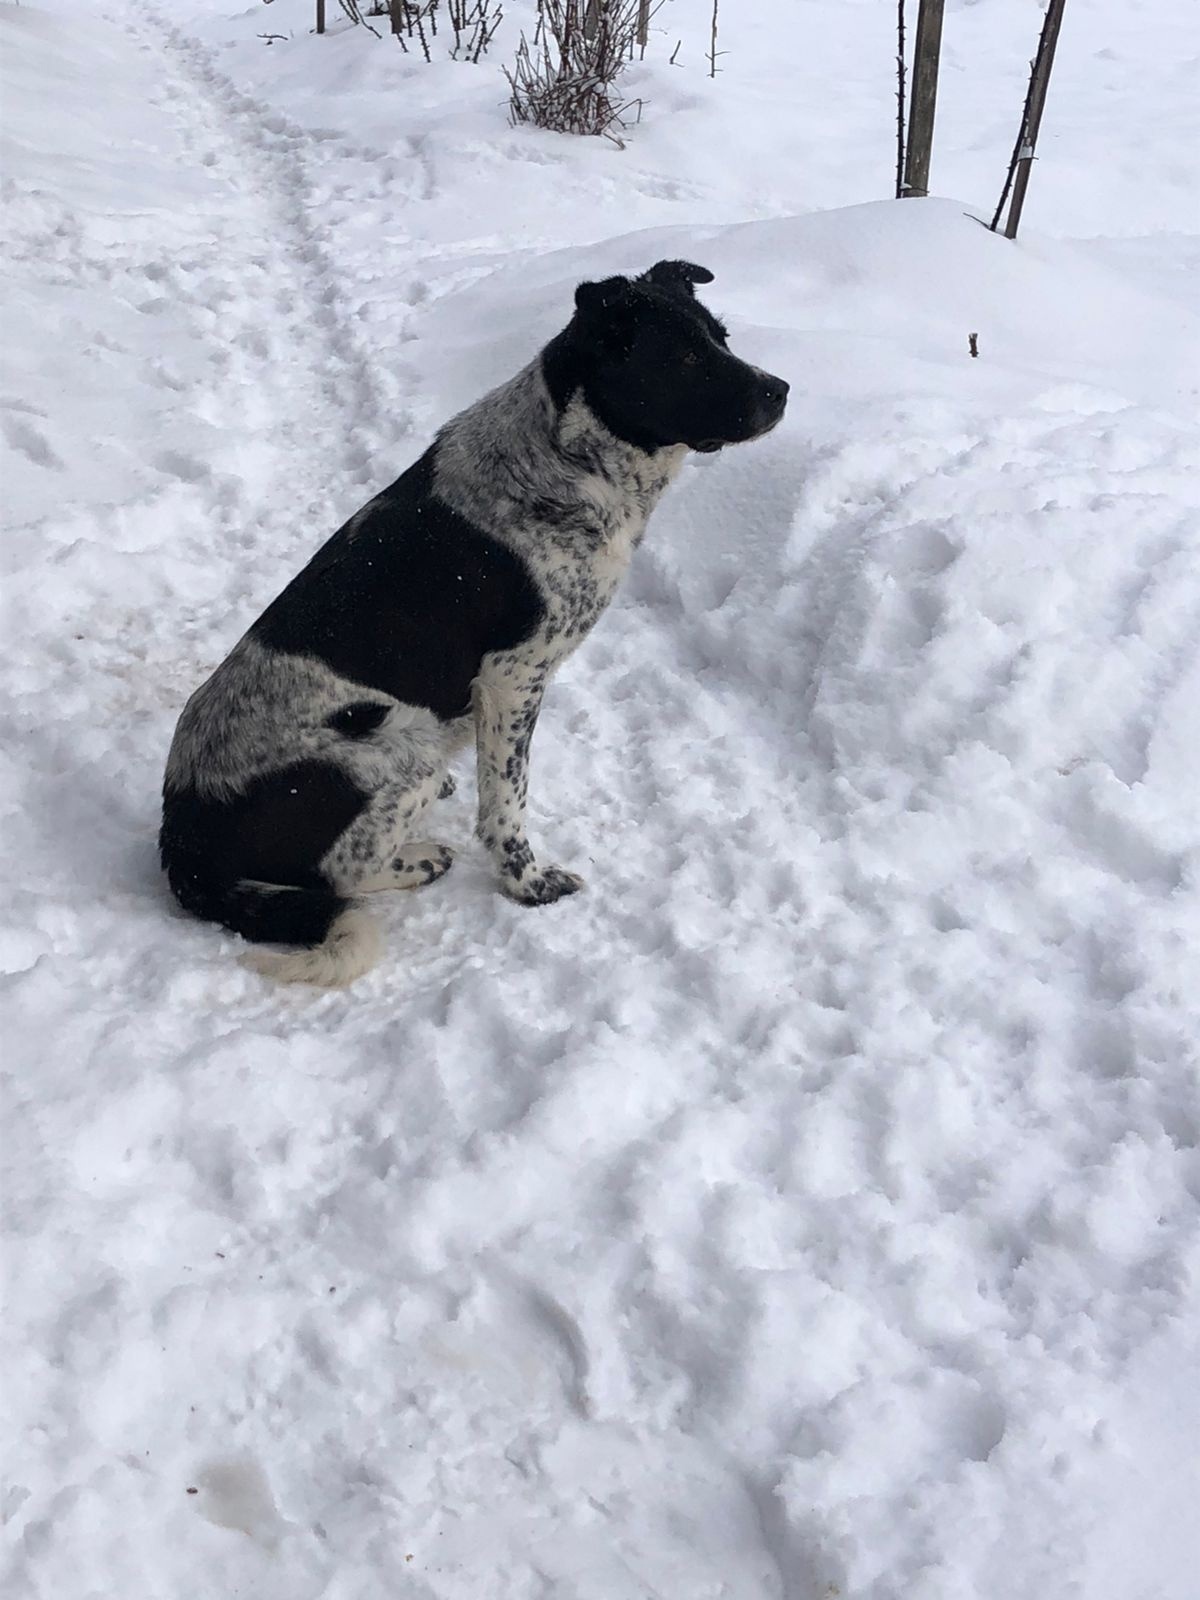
<point x="900" y="98"/>
<point x="1021" y="164"/>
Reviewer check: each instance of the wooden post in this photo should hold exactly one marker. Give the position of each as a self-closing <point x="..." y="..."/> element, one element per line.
<point x="926" y="50"/>
<point x="591" y="19"/>
<point x="320" y="16"/>
<point x="643" y="22"/>
<point x="1033" y="122"/>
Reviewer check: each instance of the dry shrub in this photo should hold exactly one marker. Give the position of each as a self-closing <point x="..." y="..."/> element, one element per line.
<point x="565" y="80"/>
<point x="473" y="23"/>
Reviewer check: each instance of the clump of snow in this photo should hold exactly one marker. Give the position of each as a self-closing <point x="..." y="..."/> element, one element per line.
<point x="813" y="1207"/>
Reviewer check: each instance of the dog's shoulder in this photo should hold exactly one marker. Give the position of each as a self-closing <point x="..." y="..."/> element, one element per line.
<point x="407" y="598"/>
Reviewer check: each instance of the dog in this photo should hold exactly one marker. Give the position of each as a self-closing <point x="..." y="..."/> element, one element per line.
<point x="301" y="772"/>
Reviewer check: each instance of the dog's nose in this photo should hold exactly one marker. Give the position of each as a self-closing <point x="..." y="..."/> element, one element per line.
<point x="775" y="392"/>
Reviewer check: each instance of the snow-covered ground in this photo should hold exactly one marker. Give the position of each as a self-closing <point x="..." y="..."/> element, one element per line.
<point x="812" y="1208"/>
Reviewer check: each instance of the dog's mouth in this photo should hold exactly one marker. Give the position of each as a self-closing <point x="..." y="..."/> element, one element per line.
<point x="709" y="447"/>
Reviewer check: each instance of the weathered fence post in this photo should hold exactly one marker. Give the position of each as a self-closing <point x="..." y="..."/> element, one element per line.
<point x="320" y="16"/>
<point x="926" y="50"/>
<point x="1036" y="103"/>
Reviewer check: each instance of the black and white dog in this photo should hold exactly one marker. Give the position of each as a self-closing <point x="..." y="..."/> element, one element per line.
<point x="301" y="772"/>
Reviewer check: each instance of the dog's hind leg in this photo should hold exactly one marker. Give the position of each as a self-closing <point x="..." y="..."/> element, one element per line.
<point x="413" y="866"/>
<point x="378" y="851"/>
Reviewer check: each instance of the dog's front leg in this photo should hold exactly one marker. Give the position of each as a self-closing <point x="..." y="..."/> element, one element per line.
<point x="507" y="703"/>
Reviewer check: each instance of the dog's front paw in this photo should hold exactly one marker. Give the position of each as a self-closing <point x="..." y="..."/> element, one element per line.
<point x="448" y="787"/>
<point x="542" y="886"/>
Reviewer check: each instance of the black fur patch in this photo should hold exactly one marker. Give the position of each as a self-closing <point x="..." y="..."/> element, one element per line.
<point x="275" y="832"/>
<point x="407" y="599"/>
<point x="295" y="916"/>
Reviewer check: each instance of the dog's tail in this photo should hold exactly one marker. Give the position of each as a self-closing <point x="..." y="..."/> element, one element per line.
<point x="350" y="945"/>
<point x="335" y="941"/>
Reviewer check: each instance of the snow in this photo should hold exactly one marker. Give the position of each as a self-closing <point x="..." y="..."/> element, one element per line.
<point x="812" y="1208"/>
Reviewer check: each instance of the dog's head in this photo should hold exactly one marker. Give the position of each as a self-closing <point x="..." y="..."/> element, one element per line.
<point x="655" y="365"/>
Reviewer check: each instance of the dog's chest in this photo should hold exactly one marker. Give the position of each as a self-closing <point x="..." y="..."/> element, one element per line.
<point x="578" y="573"/>
<point x="610" y="561"/>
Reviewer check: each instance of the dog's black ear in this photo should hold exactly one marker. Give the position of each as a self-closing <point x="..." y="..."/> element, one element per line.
<point x="679" y="276"/>
<point x="606" y="314"/>
<point x="601" y="299"/>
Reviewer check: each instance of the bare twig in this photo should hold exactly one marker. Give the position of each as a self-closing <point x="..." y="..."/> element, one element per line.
<point x="351" y="8"/>
<point x="474" y="23"/>
<point x="1016" y="155"/>
<point x="406" y="21"/>
<point x="419" y="19"/>
<point x="899" y="98"/>
<point x="712" y="48"/>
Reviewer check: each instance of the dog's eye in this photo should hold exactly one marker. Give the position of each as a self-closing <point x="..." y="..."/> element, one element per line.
<point x="691" y="359"/>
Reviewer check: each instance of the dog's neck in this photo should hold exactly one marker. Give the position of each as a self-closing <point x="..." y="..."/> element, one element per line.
<point x="519" y="463"/>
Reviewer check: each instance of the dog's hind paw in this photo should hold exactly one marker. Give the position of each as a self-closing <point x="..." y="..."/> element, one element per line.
<point x="423" y="862"/>
<point x="543" y="886"/>
<point x="420" y="862"/>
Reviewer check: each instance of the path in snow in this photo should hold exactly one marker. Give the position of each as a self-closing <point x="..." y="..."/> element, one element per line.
<point x="221" y="317"/>
<point x="812" y="1207"/>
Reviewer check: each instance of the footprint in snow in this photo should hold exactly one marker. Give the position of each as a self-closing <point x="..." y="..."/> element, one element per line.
<point x="234" y="1493"/>
<point x="178" y="465"/>
<point x="923" y="552"/>
<point x="31" y="442"/>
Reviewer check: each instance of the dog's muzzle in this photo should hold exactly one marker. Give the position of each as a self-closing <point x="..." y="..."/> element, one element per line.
<point x="769" y="402"/>
<point x="773" y="399"/>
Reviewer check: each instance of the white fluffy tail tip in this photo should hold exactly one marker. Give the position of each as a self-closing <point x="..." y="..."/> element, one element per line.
<point x="351" y="947"/>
